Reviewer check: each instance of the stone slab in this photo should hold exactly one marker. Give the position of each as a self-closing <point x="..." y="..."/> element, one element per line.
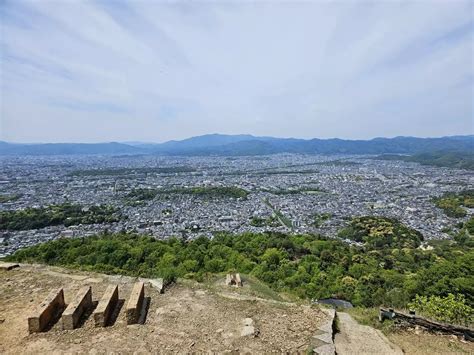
<point x="52" y="305"/>
<point x="135" y="302"/>
<point x="158" y="284"/>
<point x="106" y="306"/>
<point x="327" y="327"/>
<point x="327" y="349"/>
<point x="322" y="339"/>
<point x="81" y="303"/>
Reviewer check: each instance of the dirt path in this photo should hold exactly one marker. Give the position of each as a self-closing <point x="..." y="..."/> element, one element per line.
<point x="355" y="338"/>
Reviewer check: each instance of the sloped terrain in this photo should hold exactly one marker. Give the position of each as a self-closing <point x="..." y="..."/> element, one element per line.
<point x="348" y="340"/>
<point x="188" y="317"/>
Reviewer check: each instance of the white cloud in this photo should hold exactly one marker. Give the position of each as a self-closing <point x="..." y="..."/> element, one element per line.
<point x="146" y="70"/>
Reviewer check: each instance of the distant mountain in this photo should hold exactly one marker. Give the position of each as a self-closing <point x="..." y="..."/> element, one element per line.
<point x="235" y="145"/>
<point x="249" y="145"/>
<point x="203" y="142"/>
<point x="67" y="148"/>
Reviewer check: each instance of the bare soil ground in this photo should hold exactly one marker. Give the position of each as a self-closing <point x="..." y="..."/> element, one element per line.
<point x="414" y="340"/>
<point x="419" y="342"/>
<point x="188" y="317"/>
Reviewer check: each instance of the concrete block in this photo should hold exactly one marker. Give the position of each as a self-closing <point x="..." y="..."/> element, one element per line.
<point x="81" y="303"/>
<point x="135" y="303"/>
<point x="8" y="266"/>
<point x="46" y="311"/>
<point x="106" y="306"/>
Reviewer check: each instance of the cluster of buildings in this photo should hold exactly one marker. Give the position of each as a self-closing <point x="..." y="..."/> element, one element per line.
<point x="295" y="188"/>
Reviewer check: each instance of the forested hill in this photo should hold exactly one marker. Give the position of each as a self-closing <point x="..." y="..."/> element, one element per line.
<point x="238" y="145"/>
<point x="386" y="266"/>
<point x="450" y="159"/>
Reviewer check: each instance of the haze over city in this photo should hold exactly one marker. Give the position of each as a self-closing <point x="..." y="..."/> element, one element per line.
<point x="95" y="71"/>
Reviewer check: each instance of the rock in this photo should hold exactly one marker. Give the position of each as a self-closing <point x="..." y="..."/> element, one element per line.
<point x="158" y="284"/>
<point x="248" y="328"/>
<point x="247" y="331"/>
<point x="233" y="279"/>
<point x="248" y="321"/>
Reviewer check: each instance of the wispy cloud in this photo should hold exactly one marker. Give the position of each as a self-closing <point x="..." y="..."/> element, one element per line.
<point x="150" y="70"/>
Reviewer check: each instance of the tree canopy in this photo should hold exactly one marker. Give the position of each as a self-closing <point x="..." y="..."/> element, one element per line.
<point x="308" y="266"/>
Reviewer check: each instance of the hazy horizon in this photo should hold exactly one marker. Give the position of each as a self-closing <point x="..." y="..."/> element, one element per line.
<point x="100" y="71"/>
<point x="131" y="142"/>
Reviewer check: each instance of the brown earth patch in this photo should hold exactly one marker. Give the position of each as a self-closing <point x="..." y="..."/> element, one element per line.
<point x="186" y="318"/>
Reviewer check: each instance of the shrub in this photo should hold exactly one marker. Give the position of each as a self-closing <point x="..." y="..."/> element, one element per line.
<point x="450" y="309"/>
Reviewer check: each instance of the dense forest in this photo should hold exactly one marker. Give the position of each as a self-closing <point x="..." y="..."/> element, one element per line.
<point x="453" y="204"/>
<point x="381" y="232"/>
<point x="388" y="266"/>
<point x="65" y="214"/>
<point x="449" y="159"/>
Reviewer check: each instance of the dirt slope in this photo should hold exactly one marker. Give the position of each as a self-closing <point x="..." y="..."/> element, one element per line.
<point x="186" y="318"/>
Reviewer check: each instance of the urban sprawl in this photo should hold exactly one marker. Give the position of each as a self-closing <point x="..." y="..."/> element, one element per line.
<point x="285" y="192"/>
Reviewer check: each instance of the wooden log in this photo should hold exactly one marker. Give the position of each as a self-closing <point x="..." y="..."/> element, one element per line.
<point x="106" y="306"/>
<point x="135" y="303"/>
<point x="427" y="323"/>
<point x="52" y="305"/>
<point x="77" y="307"/>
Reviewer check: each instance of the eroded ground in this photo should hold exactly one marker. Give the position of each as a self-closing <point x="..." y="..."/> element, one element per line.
<point x="186" y="318"/>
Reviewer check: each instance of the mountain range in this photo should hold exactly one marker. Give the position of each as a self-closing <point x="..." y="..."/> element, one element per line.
<point x="240" y="145"/>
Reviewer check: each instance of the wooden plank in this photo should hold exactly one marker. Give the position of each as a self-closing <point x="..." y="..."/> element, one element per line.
<point x="135" y="303"/>
<point x="77" y="307"/>
<point x="52" y="305"/>
<point x="106" y="306"/>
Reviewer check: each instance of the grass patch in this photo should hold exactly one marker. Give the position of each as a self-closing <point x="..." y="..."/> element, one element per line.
<point x="370" y="317"/>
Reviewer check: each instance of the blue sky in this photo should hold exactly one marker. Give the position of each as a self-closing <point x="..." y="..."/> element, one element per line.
<point x="89" y="71"/>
